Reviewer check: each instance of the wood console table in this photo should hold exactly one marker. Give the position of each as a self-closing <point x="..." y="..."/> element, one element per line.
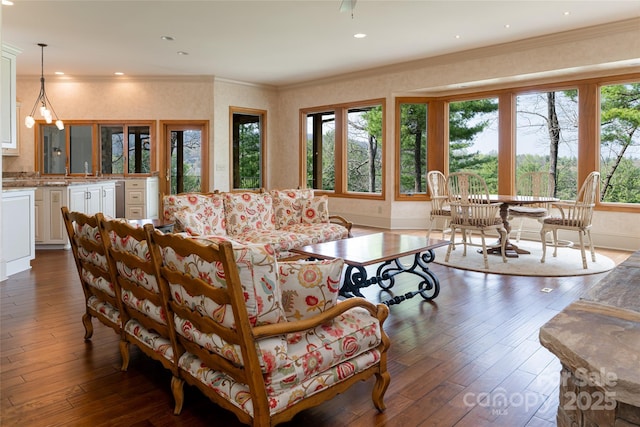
<point x="385" y="248"/>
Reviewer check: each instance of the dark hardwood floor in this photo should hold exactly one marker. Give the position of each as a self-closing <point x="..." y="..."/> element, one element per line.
<point x="451" y="361"/>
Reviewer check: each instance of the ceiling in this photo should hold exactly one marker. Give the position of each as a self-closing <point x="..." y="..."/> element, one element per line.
<point x="275" y="42"/>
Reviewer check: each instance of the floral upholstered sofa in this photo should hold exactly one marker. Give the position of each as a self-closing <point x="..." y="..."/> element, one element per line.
<point x="285" y="219"/>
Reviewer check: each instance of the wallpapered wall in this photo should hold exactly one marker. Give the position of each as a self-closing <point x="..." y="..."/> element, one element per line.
<point x="209" y="99"/>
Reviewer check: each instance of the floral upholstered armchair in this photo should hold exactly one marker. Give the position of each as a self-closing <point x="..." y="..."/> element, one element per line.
<point x="262" y="338"/>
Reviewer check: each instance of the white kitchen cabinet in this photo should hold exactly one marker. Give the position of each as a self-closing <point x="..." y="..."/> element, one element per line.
<point x="93" y="198"/>
<point x="109" y="200"/>
<point x="8" y="111"/>
<point x="50" y="231"/>
<point x="141" y="198"/>
<point x="18" y="229"/>
<point x="49" y="223"/>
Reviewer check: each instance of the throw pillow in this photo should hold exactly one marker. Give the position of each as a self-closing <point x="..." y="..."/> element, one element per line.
<point x="287" y="205"/>
<point x="309" y="287"/>
<point x="247" y="211"/>
<point x="191" y="223"/>
<point x="316" y="210"/>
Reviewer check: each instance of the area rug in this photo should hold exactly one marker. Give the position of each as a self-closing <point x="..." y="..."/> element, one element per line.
<point x="567" y="263"/>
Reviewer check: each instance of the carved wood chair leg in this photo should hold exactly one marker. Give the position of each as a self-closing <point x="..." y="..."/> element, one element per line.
<point x="543" y="239"/>
<point x="379" y="389"/>
<point x="124" y="353"/>
<point x="88" y="326"/>
<point x="178" y="394"/>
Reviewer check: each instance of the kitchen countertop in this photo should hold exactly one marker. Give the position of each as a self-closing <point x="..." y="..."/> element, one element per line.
<point x="8" y="183"/>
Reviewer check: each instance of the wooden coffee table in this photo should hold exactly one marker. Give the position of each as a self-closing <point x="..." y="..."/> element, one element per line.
<point x="385" y="248"/>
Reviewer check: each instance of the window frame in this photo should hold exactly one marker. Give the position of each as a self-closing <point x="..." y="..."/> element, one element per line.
<point x="96" y="146"/>
<point x="588" y="129"/>
<point x="340" y="154"/>
<point x="397" y="178"/>
<point x="263" y="144"/>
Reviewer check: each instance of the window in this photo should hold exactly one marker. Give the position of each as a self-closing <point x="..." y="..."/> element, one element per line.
<point x="473" y="138"/>
<point x="344" y="149"/>
<point x="53" y="150"/>
<point x="87" y="148"/>
<point x="547" y="137"/>
<point x="412" y="149"/>
<point x="321" y="138"/>
<point x="185" y="154"/>
<point x="248" y="141"/>
<point x="550" y="127"/>
<point x="364" y="149"/>
<point x="620" y="143"/>
<point x="134" y="151"/>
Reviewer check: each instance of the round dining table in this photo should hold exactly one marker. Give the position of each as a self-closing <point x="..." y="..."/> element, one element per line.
<point x="507" y="200"/>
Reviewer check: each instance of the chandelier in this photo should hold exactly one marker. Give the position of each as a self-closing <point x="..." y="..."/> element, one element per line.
<point x="46" y="109"/>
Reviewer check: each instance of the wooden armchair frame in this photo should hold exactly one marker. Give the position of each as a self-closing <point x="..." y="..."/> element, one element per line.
<point x="537" y="184"/>
<point x="98" y="302"/>
<point x="440" y="207"/>
<point x="245" y="336"/>
<point x="472" y="211"/>
<point x="131" y="267"/>
<point x="575" y="216"/>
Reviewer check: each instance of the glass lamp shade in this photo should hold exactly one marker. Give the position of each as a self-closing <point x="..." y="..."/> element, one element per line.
<point x="29" y="122"/>
<point x="59" y="124"/>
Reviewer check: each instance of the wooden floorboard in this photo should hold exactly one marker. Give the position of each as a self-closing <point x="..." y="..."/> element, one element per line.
<point x="450" y="360"/>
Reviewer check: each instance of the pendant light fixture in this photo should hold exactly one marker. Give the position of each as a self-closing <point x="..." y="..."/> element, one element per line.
<point x="46" y="109"/>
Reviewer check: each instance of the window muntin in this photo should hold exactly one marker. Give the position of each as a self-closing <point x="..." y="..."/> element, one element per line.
<point x="412" y="149"/>
<point x="473" y="138"/>
<point x="547" y="137"/>
<point x="620" y="143"/>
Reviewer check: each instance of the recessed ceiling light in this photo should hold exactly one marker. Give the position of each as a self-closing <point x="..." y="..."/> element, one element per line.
<point x="360" y="35"/>
<point x="458" y="36"/>
<point x="119" y="73"/>
<point x="59" y="73"/>
<point x="182" y="52"/>
<point x="167" y="38"/>
<point x="507" y="25"/>
<point x="7" y="3"/>
<point x="567" y="13"/>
